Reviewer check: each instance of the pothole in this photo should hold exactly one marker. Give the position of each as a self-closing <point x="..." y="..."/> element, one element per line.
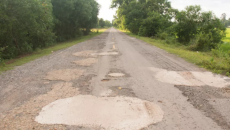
<point x="106" y="54"/>
<point x="64" y="75"/>
<point x="121" y="113"/>
<point x="116" y="74"/>
<point x="105" y="80"/>
<point x="191" y="78"/>
<point x="22" y="117"/>
<point x="84" y="53"/>
<point x="120" y="91"/>
<point x="86" y="62"/>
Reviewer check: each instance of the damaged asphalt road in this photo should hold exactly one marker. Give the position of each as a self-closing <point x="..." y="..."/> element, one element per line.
<point x="113" y="82"/>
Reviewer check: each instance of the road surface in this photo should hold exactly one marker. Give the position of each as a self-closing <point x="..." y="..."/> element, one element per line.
<point x="113" y="82"/>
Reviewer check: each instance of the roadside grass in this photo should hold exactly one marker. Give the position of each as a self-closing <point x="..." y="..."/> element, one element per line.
<point x="10" y="64"/>
<point x="206" y="60"/>
<point x="226" y="46"/>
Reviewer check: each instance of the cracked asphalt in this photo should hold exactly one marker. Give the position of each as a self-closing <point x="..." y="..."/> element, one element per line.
<point x="184" y="96"/>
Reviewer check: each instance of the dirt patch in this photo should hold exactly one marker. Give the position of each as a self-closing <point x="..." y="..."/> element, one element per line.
<point x="22" y="118"/>
<point x="86" y="62"/>
<point x="206" y="99"/>
<point x="121" y="113"/>
<point x="64" y="75"/>
<point x="87" y="53"/>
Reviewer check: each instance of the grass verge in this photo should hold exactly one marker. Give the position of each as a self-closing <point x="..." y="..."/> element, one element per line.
<point x="10" y="64"/>
<point x="216" y="64"/>
<point x="226" y="46"/>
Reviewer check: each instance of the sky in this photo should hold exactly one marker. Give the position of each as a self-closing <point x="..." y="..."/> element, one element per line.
<point x="216" y="6"/>
<point x="105" y="12"/>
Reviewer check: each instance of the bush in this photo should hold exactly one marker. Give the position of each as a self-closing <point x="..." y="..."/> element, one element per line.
<point x="162" y="35"/>
<point x="203" y="42"/>
<point x="171" y="40"/>
<point x="1" y="57"/>
<point x="192" y="22"/>
<point x="25" y="25"/>
<point x="153" y="24"/>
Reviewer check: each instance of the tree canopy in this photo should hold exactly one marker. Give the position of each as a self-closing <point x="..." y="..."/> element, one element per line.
<point x="30" y="24"/>
<point x="156" y="18"/>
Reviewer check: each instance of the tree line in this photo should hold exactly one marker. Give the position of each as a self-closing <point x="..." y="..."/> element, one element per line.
<point x="224" y="20"/>
<point x="26" y="25"/>
<point x="156" y="18"/>
<point x="104" y="23"/>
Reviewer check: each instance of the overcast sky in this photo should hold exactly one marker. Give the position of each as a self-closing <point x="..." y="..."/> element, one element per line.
<point x="217" y="6"/>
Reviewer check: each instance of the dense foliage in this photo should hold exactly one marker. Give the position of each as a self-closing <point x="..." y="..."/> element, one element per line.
<point x="72" y="18"/>
<point x="104" y="23"/>
<point x="156" y="18"/>
<point x="27" y="25"/>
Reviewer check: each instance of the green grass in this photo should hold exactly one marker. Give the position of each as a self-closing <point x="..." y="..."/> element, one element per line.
<point x="10" y="64"/>
<point x="227" y="38"/>
<point x="202" y="59"/>
<point x="226" y="46"/>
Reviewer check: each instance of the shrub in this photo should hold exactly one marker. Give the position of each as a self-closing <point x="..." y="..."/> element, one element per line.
<point x="1" y="57"/>
<point x="153" y="24"/>
<point x="203" y="42"/>
<point x="25" y="25"/>
<point x="162" y="35"/>
<point x="192" y="22"/>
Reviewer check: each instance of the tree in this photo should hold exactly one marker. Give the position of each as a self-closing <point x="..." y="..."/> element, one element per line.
<point x="30" y="24"/>
<point x="74" y="17"/>
<point x="132" y="14"/>
<point x="25" y="25"/>
<point x="101" y="23"/>
<point x="108" y="23"/>
<point x="204" y="27"/>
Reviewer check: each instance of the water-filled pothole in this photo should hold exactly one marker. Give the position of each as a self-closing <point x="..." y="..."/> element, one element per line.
<point x="121" y="113"/>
